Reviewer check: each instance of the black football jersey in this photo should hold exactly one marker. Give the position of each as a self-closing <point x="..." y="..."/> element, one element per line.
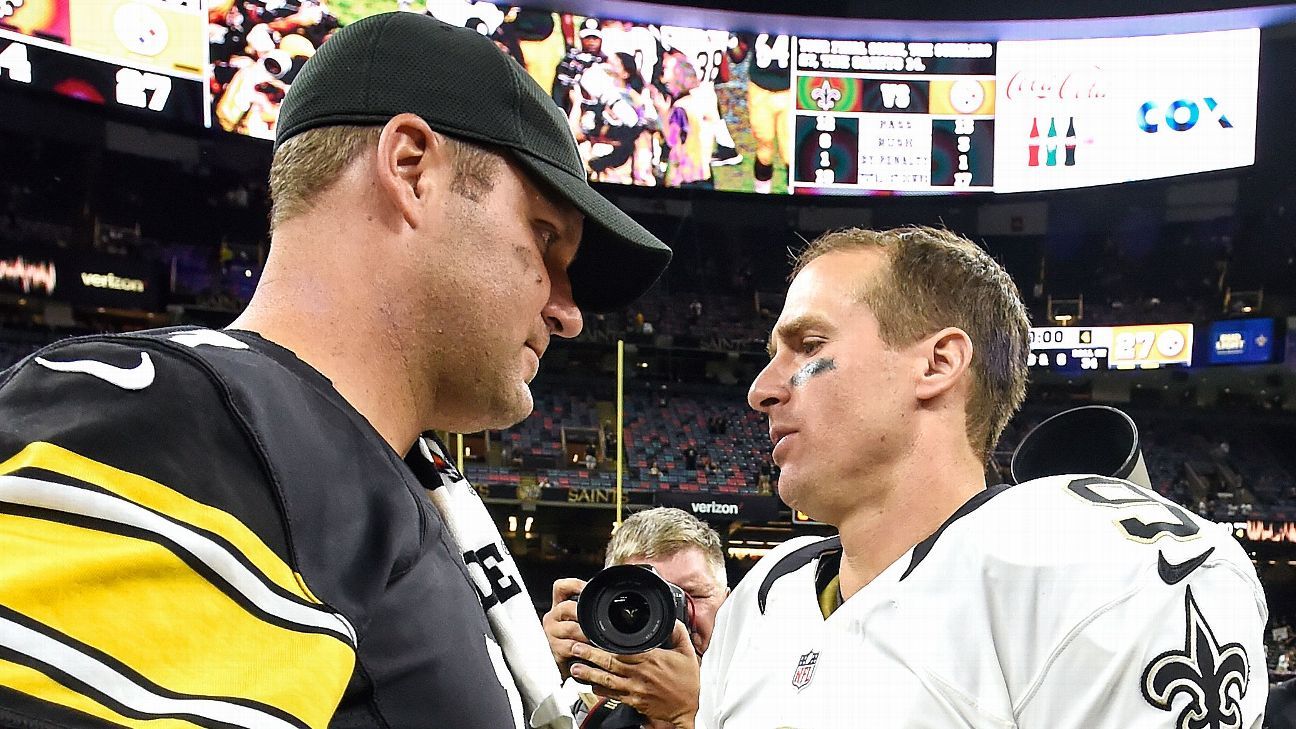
<point x="195" y="527"/>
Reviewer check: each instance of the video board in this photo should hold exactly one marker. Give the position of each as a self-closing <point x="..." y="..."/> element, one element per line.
<point x="145" y="56"/>
<point x="1242" y="341"/>
<point x="1082" y="349"/>
<point x="1094" y="111"/>
<point x="893" y="116"/>
<point x="732" y="109"/>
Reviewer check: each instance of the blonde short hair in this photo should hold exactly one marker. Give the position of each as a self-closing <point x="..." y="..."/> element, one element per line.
<point x="311" y="162"/>
<point x="663" y="532"/>
<point x="937" y="279"/>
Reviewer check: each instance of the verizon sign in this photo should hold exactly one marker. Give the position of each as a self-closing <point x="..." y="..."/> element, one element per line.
<point x="84" y="278"/>
<point x="112" y="281"/>
<point x="722" y="507"/>
<point x="712" y="507"/>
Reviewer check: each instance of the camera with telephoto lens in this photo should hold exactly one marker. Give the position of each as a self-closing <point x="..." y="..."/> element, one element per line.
<point x="629" y="609"/>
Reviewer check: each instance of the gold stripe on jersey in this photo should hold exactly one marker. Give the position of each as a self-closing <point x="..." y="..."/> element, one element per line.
<point x="34" y="683"/>
<point x="164" y="500"/>
<point x="99" y="570"/>
<point x="115" y="687"/>
<point x="830" y="597"/>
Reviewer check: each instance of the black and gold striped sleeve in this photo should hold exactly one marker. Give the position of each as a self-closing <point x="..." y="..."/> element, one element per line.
<point x="142" y="581"/>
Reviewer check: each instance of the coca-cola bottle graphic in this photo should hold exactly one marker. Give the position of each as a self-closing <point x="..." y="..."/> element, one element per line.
<point x="1051" y="145"/>
<point x="1032" y="146"/>
<point x="1070" y="146"/>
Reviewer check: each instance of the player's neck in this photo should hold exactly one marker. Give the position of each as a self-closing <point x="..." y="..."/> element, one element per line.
<point x="321" y="323"/>
<point x="919" y="495"/>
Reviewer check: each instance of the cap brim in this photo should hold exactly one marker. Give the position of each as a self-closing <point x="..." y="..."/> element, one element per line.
<point x="618" y="259"/>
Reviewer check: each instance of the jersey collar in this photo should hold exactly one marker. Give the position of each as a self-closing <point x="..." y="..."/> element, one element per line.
<point x="805" y="555"/>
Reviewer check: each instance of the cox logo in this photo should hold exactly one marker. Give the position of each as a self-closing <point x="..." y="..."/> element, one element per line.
<point x="1181" y="115"/>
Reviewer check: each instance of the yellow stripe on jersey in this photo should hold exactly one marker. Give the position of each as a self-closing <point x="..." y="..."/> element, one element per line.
<point x="830" y="597"/>
<point x="139" y="603"/>
<point x="165" y="601"/>
<point x="104" y="682"/>
<point x="160" y="498"/>
<point x="34" y="683"/>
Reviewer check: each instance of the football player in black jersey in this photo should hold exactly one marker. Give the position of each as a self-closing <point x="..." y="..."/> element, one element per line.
<point x="769" y="99"/>
<point x="576" y="62"/>
<point x="250" y="526"/>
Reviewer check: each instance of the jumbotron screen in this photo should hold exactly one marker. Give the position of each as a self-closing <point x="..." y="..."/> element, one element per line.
<point x="656" y="104"/>
<point x="146" y="56"/>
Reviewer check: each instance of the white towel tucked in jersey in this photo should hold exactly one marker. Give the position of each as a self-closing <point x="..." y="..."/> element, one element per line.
<point x="508" y="606"/>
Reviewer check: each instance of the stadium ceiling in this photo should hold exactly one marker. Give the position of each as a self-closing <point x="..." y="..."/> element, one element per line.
<point x="943" y="20"/>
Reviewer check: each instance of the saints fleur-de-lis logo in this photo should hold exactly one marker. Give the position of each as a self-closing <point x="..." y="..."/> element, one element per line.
<point x="826" y="96"/>
<point x="1212" y="677"/>
<point x="9" y="7"/>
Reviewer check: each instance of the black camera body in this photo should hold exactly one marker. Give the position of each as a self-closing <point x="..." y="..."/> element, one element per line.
<point x="629" y="608"/>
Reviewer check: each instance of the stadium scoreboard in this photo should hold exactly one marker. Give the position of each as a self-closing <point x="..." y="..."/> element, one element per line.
<point x="142" y="55"/>
<point x="1145" y="346"/>
<point x="893" y="116"/>
<point x="851" y="115"/>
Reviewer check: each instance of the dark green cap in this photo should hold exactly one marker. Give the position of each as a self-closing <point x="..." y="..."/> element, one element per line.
<point x="464" y="86"/>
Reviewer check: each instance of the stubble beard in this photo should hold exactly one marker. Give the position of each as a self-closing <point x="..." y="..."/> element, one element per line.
<point x="506" y="398"/>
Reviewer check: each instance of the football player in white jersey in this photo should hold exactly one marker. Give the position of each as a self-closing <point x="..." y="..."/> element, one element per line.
<point x="1063" y="602"/>
<point x="706" y="50"/>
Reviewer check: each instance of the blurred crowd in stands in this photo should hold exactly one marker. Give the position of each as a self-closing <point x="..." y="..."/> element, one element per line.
<point x="1225" y="469"/>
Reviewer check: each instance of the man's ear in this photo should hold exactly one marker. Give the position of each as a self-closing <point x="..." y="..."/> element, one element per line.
<point x="411" y="163"/>
<point x="948" y="360"/>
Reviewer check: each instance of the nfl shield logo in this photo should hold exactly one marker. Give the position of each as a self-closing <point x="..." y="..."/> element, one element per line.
<point x="804" y="670"/>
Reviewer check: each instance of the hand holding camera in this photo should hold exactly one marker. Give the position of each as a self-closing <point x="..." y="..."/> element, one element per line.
<point x="624" y="633"/>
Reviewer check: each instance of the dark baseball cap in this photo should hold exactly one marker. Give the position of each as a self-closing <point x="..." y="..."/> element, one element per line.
<point x="464" y="86"/>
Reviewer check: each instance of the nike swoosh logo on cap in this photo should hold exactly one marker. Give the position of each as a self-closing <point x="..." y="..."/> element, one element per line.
<point x="1175" y="573"/>
<point x="127" y="378"/>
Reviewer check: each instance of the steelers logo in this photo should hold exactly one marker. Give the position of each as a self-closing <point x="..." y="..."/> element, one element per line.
<point x="140" y="29"/>
<point x="966" y="95"/>
<point x="1171" y="343"/>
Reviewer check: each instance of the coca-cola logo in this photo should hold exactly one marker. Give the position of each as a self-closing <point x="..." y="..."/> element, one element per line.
<point x="1082" y="84"/>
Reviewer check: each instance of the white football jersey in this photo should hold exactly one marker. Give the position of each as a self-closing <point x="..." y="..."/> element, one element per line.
<point x="1069" y="602"/>
<point x="705" y="48"/>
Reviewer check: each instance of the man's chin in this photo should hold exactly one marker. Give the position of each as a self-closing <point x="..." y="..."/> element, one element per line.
<point x="793" y="491"/>
<point x="509" y="412"/>
<point x="504" y="410"/>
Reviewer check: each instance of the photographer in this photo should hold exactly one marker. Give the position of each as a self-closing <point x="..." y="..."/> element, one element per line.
<point x="662" y="683"/>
